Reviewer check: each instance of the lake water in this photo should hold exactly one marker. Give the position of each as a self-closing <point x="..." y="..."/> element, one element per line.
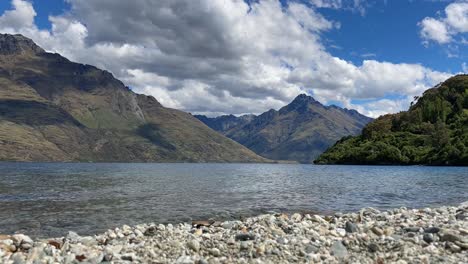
<point x="48" y="199"/>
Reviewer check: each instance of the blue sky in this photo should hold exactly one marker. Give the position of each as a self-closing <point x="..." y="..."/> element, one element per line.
<point x="361" y="40"/>
<point x="390" y="32"/>
<point x="44" y="9"/>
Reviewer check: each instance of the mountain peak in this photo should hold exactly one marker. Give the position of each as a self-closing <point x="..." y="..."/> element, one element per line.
<point x="300" y="103"/>
<point x="303" y="99"/>
<point x="18" y="44"/>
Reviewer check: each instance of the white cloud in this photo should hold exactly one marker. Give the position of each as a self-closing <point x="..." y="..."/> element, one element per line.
<point x="22" y="15"/>
<point x="433" y="29"/>
<point x="309" y="18"/>
<point x="445" y="29"/>
<point x="358" y="6"/>
<point x="368" y="55"/>
<point x="213" y="56"/>
<point x="380" y="107"/>
<point x="327" y="3"/>
<point x="457" y="16"/>
<point x="373" y="80"/>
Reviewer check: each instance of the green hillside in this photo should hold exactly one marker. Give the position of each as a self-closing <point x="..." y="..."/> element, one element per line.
<point x="434" y="131"/>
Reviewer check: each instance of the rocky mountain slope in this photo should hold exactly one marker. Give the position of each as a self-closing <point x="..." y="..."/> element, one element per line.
<point x="299" y="131"/>
<point x="225" y="122"/>
<point x="52" y="109"/>
<point x="434" y="131"/>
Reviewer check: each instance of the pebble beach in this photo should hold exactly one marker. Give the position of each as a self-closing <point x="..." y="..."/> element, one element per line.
<point x="427" y="235"/>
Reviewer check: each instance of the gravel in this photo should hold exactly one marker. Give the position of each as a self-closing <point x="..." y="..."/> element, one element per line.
<point x="429" y="235"/>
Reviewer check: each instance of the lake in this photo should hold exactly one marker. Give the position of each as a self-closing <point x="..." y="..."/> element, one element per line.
<point x="48" y="199"/>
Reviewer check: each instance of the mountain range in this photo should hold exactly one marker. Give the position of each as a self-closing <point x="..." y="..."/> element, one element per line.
<point x="434" y="131"/>
<point x="299" y="131"/>
<point x="52" y="109"/>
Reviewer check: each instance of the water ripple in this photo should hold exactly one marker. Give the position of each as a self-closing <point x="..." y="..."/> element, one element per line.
<point x="50" y="199"/>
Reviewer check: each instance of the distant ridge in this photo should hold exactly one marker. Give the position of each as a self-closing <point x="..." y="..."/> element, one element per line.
<point x="52" y="109"/>
<point x="299" y="131"/>
<point x="225" y="122"/>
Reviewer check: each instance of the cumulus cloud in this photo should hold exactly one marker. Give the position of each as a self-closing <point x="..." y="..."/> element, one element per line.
<point x="447" y="28"/>
<point x="457" y="16"/>
<point x="216" y="57"/>
<point x="381" y="106"/>
<point x="22" y="15"/>
<point x="433" y="29"/>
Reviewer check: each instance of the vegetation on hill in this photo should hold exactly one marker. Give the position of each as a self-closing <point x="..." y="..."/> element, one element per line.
<point x="434" y="131"/>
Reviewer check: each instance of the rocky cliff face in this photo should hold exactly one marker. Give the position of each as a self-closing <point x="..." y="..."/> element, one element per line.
<point x="18" y="44"/>
<point x="299" y="131"/>
<point x="52" y="109"/>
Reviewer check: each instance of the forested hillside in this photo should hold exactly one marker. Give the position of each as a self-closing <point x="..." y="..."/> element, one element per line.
<point x="434" y="131"/>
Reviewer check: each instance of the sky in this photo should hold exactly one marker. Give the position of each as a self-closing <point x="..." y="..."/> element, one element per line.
<point x="219" y="57"/>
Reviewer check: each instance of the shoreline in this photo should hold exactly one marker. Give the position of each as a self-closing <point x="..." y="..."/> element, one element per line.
<point x="435" y="235"/>
<point x="273" y="162"/>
